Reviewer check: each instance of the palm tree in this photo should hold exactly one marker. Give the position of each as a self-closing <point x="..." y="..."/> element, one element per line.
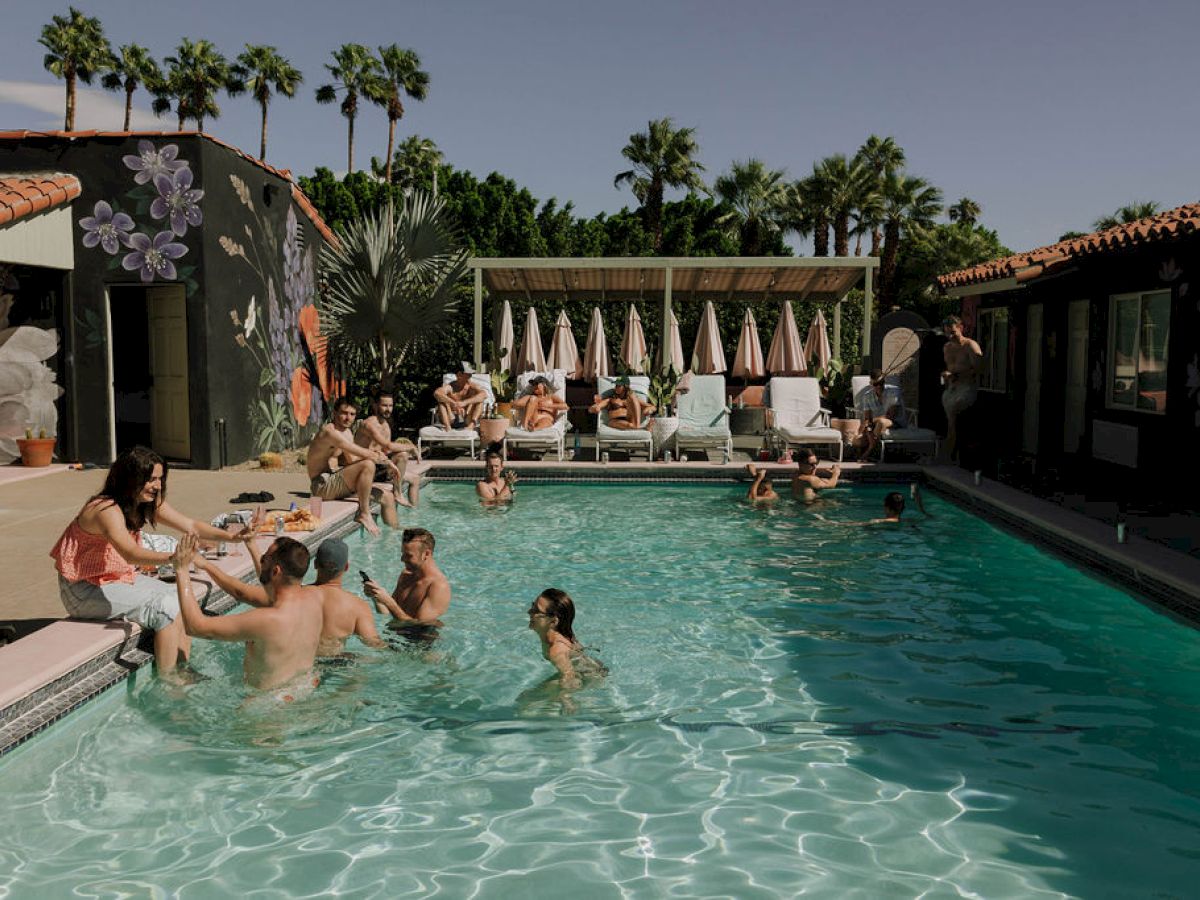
<point x="357" y="73"/>
<point x="259" y="69"/>
<point x="845" y="182"/>
<point x="390" y="284"/>
<point x="808" y="211"/>
<point x="882" y="156"/>
<point x="404" y="76"/>
<point x="662" y="156"/>
<point x="133" y="67"/>
<point x="415" y="159"/>
<point x="77" y="50"/>
<point x="867" y="214"/>
<point x="758" y="203"/>
<point x="965" y="211"/>
<point x="910" y="205"/>
<point x="195" y="74"/>
<point x="1126" y="214"/>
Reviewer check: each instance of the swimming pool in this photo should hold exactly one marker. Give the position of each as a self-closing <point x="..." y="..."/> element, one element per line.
<point x="793" y="706"/>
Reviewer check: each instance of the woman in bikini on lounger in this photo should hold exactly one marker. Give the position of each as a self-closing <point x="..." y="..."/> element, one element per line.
<point x="539" y="407"/>
<point x="551" y="618"/>
<point x="626" y="410"/>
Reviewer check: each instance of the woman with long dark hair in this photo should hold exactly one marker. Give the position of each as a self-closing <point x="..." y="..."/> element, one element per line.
<point x="552" y="618"/>
<point x="98" y="555"/>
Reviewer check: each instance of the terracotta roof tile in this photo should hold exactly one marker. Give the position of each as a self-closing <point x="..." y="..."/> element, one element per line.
<point x="1165" y="226"/>
<point x="303" y="202"/>
<point x="25" y="194"/>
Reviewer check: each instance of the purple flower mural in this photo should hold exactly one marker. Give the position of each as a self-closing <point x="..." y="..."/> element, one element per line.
<point x="177" y="199"/>
<point x="104" y="227"/>
<point x="153" y="257"/>
<point x="152" y="161"/>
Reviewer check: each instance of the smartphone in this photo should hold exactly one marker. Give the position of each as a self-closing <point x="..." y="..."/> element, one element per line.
<point x="364" y="575"/>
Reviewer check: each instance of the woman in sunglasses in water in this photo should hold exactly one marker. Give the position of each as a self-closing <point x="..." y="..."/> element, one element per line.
<point x="551" y="618"/>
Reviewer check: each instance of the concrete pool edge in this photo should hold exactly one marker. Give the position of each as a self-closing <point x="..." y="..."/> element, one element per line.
<point x="1164" y="578"/>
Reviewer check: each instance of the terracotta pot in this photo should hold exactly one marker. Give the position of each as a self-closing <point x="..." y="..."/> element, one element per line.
<point x="36" y="452"/>
<point x="492" y="430"/>
<point x="505" y="409"/>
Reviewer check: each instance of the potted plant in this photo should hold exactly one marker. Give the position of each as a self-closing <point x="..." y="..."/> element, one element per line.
<point x="36" y="452"/>
<point x="663" y="385"/>
<point x="493" y="424"/>
<point x="503" y="386"/>
<point x="835" y="394"/>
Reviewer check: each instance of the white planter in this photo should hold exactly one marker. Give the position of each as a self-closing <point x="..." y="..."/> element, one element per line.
<point x="662" y="428"/>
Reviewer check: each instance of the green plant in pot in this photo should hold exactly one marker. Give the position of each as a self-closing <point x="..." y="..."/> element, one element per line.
<point x="663" y="385"/>
<point x="835" y="387"/>
<point x="503" y="384"/>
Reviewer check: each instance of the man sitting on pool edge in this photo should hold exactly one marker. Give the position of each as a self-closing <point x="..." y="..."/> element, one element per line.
<point x="281" y="638"/>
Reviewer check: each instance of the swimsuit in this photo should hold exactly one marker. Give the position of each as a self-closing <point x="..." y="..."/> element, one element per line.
<point x="959" y="396"/>
<point x="329" y="486"/>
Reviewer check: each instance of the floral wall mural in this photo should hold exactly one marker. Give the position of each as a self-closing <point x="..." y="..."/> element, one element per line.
<point x="163" y="205"/>
<point x="284" y="338"/>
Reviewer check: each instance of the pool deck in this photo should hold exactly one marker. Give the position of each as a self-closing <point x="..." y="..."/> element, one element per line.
<point x="59" y="666"/>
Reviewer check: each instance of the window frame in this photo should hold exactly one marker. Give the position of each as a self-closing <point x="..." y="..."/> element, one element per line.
<point x="987" y="343"/>
<point x="1110" y="365"/>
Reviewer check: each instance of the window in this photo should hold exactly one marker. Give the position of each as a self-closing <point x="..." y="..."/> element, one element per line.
<point x="993" y="341"/>
<point x="1138" y="329"/>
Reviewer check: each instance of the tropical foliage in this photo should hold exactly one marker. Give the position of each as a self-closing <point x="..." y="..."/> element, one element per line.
<point x="662" y="156"/>
<point x="390" y="283"/>
<point x="133" y="67"/>
<point x="76" y="50"/>
<point x="755" y="199"/>
<point x="195" y="74"/>
<point x="1126" y="214"/>
<point x="356" y="72"/>
<point x="403" y="77"/>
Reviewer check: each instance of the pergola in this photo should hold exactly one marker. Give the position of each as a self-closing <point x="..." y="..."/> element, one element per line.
<point x="664" y="278"/>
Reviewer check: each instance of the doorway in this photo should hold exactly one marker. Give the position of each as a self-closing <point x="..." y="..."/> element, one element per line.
<point x="1033" y="379"/>
<point x="1075" y="400"/>
<point x="150" y="370"/>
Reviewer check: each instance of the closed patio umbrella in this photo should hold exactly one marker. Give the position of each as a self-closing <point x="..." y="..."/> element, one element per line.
<point x="531" y="358"/>
<point x="595" y="354"/>
<point x="633" y="344"/>
<point x="708" y="356"/>
<point x="816" y="346"/>
<point x="502" y="336"/>
<point x="786" y="356"/>
<point x="748" y="361"/>
<point x="671" y="351"/>
<point x="563" y="352"/>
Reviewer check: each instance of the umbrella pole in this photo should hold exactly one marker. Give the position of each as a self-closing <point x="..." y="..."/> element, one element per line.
<point x="837" y="330"/>
<point x="663" y="362"/>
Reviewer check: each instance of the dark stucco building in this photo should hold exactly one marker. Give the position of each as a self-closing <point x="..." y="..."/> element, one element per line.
<point x="186" y="313"/>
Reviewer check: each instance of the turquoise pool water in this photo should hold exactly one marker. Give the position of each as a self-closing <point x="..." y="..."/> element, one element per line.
<point x="938" y="709"/>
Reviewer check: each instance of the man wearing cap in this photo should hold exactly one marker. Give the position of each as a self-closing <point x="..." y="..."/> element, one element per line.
<point x="343" y="613"/>
<point x="626" y="410"/>
<point x="460" y="403"/>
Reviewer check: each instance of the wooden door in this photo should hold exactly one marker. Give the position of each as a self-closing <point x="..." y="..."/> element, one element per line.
<point x="170" y="419"/>
<point x="1033" y="378"/>
<point x="1075" y="396"/>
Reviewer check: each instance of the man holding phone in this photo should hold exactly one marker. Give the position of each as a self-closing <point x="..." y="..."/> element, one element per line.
<point x="422" y="592"/>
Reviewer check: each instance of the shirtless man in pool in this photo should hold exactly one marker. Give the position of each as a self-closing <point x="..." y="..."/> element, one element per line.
<point x="963" y="360"/>
<point x="356" y="477"/>
<point x="282" y="637"/>
<point x="625" y="408"/>
<point x="539" y="407"/>
<point x="422" y="592"/>
<point x="497" y="485"/>
<point x="807" y="480"/>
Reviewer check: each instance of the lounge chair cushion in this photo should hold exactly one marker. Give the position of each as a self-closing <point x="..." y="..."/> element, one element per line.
<point x="702" y="434"/>
<point x="704" y="405"/>
<point x="796" y="403"/>
<point x="438" y="433"/>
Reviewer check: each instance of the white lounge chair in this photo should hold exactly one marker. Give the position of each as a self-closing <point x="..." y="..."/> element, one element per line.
<point x="703" y="415"/>
<point x="908" y="435"/>
<point x="796" y="414"/>
<point x="554" y="436"/>
<point x="434" y="433"/>
<point x="633" y="438"/>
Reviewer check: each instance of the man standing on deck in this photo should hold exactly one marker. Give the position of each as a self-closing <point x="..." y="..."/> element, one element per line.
<point x="422" y="592"/>
<point x="963" y="360"/>
<point x="375" y="433"/>
<point x="344" y="614"/>
<point x="282" y="637"/>
<point x="356" y="476"/>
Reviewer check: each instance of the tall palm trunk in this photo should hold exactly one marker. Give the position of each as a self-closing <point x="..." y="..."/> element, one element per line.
<point x="262" y="146"/>
<point x="129" y="89"/>
<point x="821" y="235"/>
<point x="387" y="174"/>
<point x="841" y="234"/>
<point x="876" y="241"/>
<point x="858" y="244"/>
<point x="654" y="211"/>
<point x="181" y="120"/>
<point x="350" y="145"/>
<point x="887" y="265"/>
<point x="69" y="123"/>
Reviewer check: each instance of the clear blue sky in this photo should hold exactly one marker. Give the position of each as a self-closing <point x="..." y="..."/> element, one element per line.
<point x="1048" y="113"/>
